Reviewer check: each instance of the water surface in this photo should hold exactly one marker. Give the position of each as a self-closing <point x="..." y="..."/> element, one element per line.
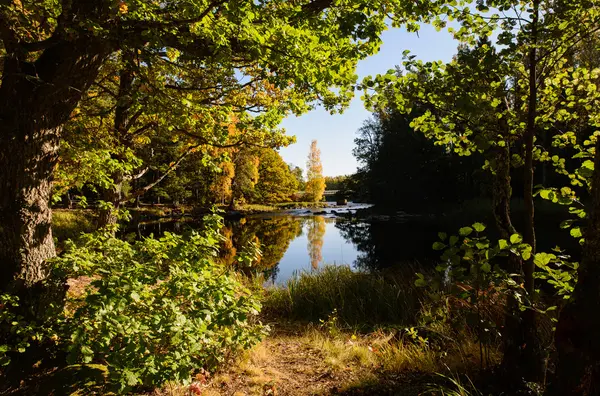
<point x="300" y="240"/>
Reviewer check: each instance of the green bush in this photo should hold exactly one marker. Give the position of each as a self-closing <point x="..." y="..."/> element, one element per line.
<point x="155" y="310"/>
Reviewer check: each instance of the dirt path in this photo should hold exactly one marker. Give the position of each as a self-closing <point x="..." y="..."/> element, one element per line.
<point x="281" y="366"/>
<point x="291" y="365"/>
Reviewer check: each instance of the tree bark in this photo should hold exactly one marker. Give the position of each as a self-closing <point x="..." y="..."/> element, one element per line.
<point x="36" y="99"/>
<point x="108" y="217"/>
<point x="577" y="340"/>
<point x="502" y="192"/>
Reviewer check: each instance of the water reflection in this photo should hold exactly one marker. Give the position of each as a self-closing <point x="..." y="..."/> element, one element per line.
<point x="316" y="232"/>
<point x="290" y="244"/>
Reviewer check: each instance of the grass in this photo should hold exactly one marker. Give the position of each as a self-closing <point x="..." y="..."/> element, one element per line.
<point x="359" y="299"/>
<point x="302" y="205"/>
<point x="307" y="360"/>
<point x="70" y="223"/>
<point x="256" y="208"/>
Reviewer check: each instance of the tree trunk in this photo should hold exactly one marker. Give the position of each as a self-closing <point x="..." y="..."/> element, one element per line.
<point x="514" y="336"/>
<point x="577" y="340"/>
<point x="113" y="196"/>
<point x="108" y="217"/>
<point x="502" y="192"/>
<point x="36" y="99"/>
<point x="524" y="358"/>
<point x="27" y="156"/>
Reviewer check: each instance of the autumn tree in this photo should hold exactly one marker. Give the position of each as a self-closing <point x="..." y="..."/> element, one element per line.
<point x="246" y="175"/>
<point x="315" y="182"/>
<point x="221" y="188"/>
<point x="298" y="174"/>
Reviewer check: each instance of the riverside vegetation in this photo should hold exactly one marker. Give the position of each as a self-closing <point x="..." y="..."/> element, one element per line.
<point x="116" y="104"/>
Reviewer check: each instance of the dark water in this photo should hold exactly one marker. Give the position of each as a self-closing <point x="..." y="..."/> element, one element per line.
<point x="306" y="239"/>
<point x="300" y="240"/>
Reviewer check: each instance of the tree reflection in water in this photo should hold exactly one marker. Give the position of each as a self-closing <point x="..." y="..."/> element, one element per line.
<point x="271" y="236"/>
<point x="316" y="233"/>
<point x="386" y="244"/>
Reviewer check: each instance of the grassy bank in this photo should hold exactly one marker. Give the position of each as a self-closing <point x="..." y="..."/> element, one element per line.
<point x="338" y="332"/>
<point x="357" y="299"/>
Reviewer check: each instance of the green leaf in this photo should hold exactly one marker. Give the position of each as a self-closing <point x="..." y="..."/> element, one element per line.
<point x="516" y="238"/>
<point x="465" y="231"/>
<point x="576" y="232"/>
<point x="502" y="244"/>
<point x="479" y="227"/>
<point x="442" y="235"/>
<point x="543" y="259"/>
<point x="438" y="246"/>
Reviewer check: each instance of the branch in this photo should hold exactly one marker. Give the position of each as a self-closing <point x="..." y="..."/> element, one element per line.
<point x="174" y="22"/>
<point x="171" y="168"/>
<point x="137" y="176"/>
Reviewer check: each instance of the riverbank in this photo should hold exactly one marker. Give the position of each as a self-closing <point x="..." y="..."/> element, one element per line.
<point x="338" y="347"/>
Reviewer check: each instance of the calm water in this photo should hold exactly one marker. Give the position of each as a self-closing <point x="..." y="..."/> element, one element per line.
<point x="300" y="240"/>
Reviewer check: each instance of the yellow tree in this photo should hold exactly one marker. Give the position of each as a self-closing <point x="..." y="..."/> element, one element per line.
<point x="315" y="184"/>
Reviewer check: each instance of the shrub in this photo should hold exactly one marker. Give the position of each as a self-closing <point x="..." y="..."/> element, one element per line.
<point x="155" y="310"/>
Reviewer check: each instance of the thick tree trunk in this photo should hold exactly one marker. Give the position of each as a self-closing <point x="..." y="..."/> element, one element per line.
<point x="27" y="156"/>
<point x="577" y="333"/>
<point x="36" y="99"/>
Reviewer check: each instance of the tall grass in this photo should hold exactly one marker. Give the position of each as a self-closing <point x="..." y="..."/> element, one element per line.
<point x="359" y="299"/>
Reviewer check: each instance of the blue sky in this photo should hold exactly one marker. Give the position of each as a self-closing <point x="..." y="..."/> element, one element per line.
<point x="335" y="133"/>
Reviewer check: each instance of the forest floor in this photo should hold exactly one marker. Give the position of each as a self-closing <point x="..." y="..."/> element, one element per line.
<point x="308" y="362"/>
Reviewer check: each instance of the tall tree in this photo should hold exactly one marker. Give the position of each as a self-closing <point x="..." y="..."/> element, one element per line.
<point x="315" y="182"/>
<point x="534" y="43"/>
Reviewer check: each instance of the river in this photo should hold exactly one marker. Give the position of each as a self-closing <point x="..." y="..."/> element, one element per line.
<point x="298" y="240"/>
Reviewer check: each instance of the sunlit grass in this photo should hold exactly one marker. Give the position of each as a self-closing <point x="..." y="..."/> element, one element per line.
<point x="69" y="224"/>
<point x="359" y="299"/>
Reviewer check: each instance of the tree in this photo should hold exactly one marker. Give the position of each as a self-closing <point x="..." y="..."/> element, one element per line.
<point x="276" y="183"/>
<point x="298" y="174"/>
<point x="405" y="170"/>
<point x="335" y="182"/>
<point x="53" y="52"/>
<point x="221" y="188"/>
<point x="527" y="83"/>
<point x="315" y="182"/>
<point x="246" y="174"/>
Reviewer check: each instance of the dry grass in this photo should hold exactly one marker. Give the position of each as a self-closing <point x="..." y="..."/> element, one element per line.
<point x="315" y="361"/>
